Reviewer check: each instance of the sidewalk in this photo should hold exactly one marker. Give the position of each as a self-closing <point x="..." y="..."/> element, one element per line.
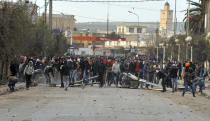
<point x="207" y="90"/>
<point x="4" y="89"/>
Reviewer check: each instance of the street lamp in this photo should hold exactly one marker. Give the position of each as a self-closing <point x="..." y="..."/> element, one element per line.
<point x="188" y="40"/>
<point x="138" y="21"/>
<point x="135" y="15"/>
<point x="177" y="41"/>
<point x="164" y="51"/>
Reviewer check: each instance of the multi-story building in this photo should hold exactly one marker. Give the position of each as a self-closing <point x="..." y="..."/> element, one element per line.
<point x="84" y="40"/>
<point x="166" y="20"/>
<point x="123" y="29"/>
<point x="134" y="35"/>
<point x="63" y="22"/>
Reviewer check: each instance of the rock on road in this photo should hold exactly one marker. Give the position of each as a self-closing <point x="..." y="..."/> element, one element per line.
<point x="101" y="104"/>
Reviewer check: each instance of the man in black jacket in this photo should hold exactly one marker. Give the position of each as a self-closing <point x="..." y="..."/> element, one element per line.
<point x="173" y="75"/>
<point x="122" y="70"/>
<point x="132" y="67"/>
<point x="64" y="73"/>
<point x="101" y="72"/>
<point x="86" y="72"/>
<point x="96" y="67"/>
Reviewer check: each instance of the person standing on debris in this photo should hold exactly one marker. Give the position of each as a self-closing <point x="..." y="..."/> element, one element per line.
<point x="173" y="74"/>
<point x="116" y="72"/>
<point x="28" y="72"/>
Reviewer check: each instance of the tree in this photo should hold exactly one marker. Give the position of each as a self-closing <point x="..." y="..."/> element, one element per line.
<point x="196" y="17"/>
<point x="201" y="48"/>
<point x="20" y="36"/>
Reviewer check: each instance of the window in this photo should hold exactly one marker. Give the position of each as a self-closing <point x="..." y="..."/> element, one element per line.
<point x="131" y="30"/>
<point x="139" y="30"/>
<point x="122" y="30"/>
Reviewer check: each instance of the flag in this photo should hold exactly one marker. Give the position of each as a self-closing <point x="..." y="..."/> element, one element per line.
<point x="188" y="16"/>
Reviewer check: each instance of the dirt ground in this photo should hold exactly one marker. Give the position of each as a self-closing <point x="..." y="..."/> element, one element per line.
<point x="101" y="104"/>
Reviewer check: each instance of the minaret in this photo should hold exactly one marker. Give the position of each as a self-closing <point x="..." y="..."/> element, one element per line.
<point x="166" y="20"/>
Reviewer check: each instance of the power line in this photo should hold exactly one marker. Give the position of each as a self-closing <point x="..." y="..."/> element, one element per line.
<point x="108" y="0"/>
<point x="126" y="6"/>
<point x="51" y="1"/>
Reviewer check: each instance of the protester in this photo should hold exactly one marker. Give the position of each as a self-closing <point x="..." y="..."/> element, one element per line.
<point x="101" y="72"/>
<point x="12" y="81"/>
<point x="106" y="71"/>
<point x="116" y="72"/>
<point x="28" y="72"/>
<point x="173" y="75"/>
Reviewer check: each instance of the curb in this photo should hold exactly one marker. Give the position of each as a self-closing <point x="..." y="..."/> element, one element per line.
<point x="5" y="89"/>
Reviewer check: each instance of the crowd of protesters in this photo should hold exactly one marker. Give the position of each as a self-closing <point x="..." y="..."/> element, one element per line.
<point x="109" y="70"/>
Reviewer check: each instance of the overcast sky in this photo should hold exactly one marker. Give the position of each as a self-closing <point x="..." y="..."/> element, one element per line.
<point x="89" y="12"/>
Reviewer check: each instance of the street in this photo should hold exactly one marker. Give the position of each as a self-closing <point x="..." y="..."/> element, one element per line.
<point x="101" y="104"/>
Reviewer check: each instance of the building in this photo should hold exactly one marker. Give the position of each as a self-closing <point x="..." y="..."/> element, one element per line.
<point x="63" y="22"/>
<point x="85" y="40"/>
<point x="125" y="29"/>
<point x="166" y="20"/>
<point x="136" y="36"/>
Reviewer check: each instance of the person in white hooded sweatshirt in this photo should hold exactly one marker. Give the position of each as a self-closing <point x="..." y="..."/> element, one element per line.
<point x="28" y="72"/>
<point x="116" y="72"/>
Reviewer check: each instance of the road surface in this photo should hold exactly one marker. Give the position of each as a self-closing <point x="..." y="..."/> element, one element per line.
<point x="101" y="104"/>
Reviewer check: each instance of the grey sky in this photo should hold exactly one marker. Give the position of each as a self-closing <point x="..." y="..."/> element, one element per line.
<point x="89" y="12"/>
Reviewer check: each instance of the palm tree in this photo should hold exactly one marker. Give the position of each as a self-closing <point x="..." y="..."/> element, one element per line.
<point x="197" y="17"/>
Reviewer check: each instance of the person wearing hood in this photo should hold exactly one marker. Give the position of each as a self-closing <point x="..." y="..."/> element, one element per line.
<point x="173" y="75"/>
<point x="28" y="72"/>
<point x="116" y="72"/>
<point x="101" y="72"/>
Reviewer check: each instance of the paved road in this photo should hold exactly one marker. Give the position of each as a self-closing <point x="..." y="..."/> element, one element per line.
<point x="94" y="104"/>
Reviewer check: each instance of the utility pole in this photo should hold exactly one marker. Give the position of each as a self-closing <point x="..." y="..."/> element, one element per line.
<point x="107" y="24"/>
<point x="175" y="21"/>
<point x="188" y="26"/>
<point x="50" y="15"/>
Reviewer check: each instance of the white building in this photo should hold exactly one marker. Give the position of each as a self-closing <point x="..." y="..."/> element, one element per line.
<point x="135" y="36"/>
<point x="123" y="29"/>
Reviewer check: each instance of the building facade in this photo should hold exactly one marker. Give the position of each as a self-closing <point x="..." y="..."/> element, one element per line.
<point x="166" y="20"/>
<point x="63" y="22"/>
<point x="134" y="35"/>
<point x="123" y="29"/>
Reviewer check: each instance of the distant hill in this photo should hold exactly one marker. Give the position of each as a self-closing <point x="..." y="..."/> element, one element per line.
<point x="102" y="26"/>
